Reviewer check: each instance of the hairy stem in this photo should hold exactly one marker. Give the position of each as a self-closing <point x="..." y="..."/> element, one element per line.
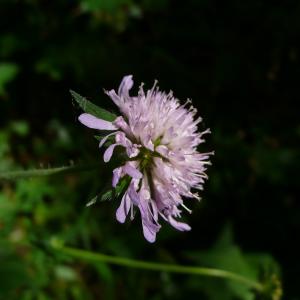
<point x="154" y="266"/>
<point x="19" y="174"/>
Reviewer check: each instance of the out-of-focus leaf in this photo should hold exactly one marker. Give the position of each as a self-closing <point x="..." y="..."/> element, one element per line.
<point x="20" y="127"/>
<point x="105" y="272"/>
<point x="13" y="272"/>
<point x="8" y="72"/>
<point x="9" y="43"/>
<point x="102" y="5"/>
<point x="47" y="67"/>
<point x="65" y="273"/>
<point x="32" y="192"/>
<point x="112" y="193"/>
<point x="91" y="108"/>
<point x="228" y="256"/>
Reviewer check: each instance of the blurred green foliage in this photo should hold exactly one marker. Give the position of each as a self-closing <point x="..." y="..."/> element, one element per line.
<point x="238" y="61"/>
<point x="8" y="72"/>
<point x="226" y="255"/>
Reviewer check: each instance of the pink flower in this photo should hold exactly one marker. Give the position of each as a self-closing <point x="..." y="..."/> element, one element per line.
<point x="160" y="138"/>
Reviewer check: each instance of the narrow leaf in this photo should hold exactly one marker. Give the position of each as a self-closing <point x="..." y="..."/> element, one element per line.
<point x="110" y="140"/>
<point x="122" y="186"/>
<point x="108" y="195"/>
<point x="92" y="202"/>
<point x="90" y="108"/>
<point x="115" y="192"/>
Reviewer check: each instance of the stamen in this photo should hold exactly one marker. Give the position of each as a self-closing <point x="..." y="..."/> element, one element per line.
<point x="187" y="209"/>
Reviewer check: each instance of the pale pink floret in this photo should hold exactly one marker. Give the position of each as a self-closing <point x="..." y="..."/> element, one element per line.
<point x="154" y="121"/>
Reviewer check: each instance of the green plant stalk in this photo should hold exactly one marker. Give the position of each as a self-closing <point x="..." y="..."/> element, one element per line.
<point x="154" y="266"/>
<point x="22" y="174"/>
<point x="122" y="261"/>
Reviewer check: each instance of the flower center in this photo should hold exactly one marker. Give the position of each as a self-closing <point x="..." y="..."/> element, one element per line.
<point x="146" y="156"/>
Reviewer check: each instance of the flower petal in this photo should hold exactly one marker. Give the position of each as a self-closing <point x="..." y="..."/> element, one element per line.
<point x="121" y="139"/>
<point x="132" y="171"/>
<point x="163" y="150"/>
<point x="125" y="86"/>
<point x="96" y="123"/>
<point x="120" y="122"/>
<point x="102" y="142"/>
<point x="114" y="97"/>
<point x="149" y="227"/>
<point x="132" y="151"/>
<point x="149" y="235"/>
<point x="116" y="176"/>
<point x="134" y="196"/>
<point x="123" y="209"/>
<point x="179" y="225"/>
<point x="148" y="142"/>
<point x="109" y="152"/>
<point x="154" y="210"/>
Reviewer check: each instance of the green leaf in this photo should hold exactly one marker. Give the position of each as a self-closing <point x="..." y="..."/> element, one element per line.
<point x="65" y="273"/>
<point x="104" y="271"/>
<point x="20" y="127"/>
<point x="92" y="109"/>
<point x="121" y="186"/>
<point x="13" y="271"/>
<point x="110" y="140"/>
<point x="46" y="66"/>
<point x="102" y="5"/>
<point x="8" y="72"/>
<point x="113" y="192"/>
<point x="226" y="255"/>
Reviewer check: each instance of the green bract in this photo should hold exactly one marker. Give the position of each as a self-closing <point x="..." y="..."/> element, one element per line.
<point x="91" y="108"/>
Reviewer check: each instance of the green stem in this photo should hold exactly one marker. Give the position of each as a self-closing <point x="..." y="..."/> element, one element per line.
<point x="19" y="174"/>
<point x="153" y="266"/>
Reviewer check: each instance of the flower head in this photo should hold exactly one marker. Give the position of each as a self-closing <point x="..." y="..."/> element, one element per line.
<point x="160" y="139"/>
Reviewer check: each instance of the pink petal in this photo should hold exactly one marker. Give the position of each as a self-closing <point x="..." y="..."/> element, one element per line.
<point x="114" y="97"/>
<point x="148" y="142"/>
<point x="125" y="85"/>
<point x="134" y="196"/>
<point x="149" y="235"/>
<point x="179" y="225"/>
<point x="120" y="122"/>
<point x="102" y="142"/>
<point x="149" y="228"/>
<point x="116" y="176"/>
<point x="123" y="209"/>
<point x="132" y="151"/>
<point x="163" y="150"/>
<point x="154" y="210"/>
<point x="122" y="139"/>
<point x="109" y="152"/>
<point x="96" y="123"/>
<point x="132" y="171"/>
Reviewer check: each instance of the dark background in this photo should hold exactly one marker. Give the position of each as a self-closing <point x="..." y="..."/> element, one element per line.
<point x="239" y="63"/>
